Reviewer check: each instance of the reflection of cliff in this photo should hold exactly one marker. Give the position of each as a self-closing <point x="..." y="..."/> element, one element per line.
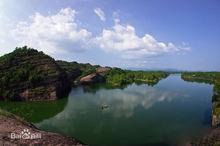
<point x="134" y="109"/>
<point x="35" y="111"/>
<point x="83" y="110"/>
<point x="121" y="102"/>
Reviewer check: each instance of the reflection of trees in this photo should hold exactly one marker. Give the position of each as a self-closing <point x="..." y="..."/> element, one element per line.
<point x="152" y="83"/>
<point x="94" y="88"/>
<point x="212" y="78"/>
<point x="35" y="111"/>
<point x="124" y="101"/>
<point x="124" y="106"/>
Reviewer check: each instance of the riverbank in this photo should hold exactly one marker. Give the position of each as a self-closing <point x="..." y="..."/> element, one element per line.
<point x="210" y="139"/>
<point x="11" y="124"/>
<point x="213" y="137"/>
<point x="209" y="78"/>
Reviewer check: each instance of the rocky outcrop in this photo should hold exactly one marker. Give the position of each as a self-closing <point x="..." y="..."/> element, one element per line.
<point x="91" y="79"/>
<point x="83" y="73"/>
<point x="215" y="113"/>
<point x="27" y="74"/>
<point x="12" y="126"/>
<point x="98" y="77"/>
<point x="212" y="138"/>
<point x="215" y="120"/>
<point x="103" y="70"/>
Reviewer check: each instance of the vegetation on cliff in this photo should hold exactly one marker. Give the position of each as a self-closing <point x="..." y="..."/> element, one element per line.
<point x="77" y="70"/>
<point x="210" y="78"/>
<point x="26" y="74"/>
<point x="113" y="76"/>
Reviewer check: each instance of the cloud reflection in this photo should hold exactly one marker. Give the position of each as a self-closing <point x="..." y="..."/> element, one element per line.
<point x="121" y="102"/>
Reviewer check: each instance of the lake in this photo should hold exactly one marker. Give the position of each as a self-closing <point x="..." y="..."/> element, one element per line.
<point x="168" y="113"/>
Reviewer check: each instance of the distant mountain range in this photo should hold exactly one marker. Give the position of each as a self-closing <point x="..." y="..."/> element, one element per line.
<point x="167" y="69"/>
<point x="156" y="69"/>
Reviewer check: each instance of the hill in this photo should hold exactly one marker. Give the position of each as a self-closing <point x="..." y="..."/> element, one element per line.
<point x="26" y="74"/>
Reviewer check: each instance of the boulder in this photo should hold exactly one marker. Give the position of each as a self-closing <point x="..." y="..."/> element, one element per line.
<point x="91" y="79"/>
<point x="102" y="70"/>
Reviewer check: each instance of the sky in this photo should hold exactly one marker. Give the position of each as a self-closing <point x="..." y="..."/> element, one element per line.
<point x="138" y="34"/>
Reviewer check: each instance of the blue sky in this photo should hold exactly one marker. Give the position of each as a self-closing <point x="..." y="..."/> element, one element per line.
<point x="148" y="34"/>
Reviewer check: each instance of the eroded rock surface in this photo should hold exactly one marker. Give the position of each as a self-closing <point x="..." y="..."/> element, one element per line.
<point x="12" y="124"/>
<point x="92" y="78"/>
<point x="210" y="139"/>
<point x="103" y="70"/>
<point x="27" y="74"/>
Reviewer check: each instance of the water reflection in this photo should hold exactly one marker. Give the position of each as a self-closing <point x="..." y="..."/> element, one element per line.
<point x="97" y="87"/>
<point x="169" y="112"/>
<point x="35" y="111"/>
<point x="123" y="102"/>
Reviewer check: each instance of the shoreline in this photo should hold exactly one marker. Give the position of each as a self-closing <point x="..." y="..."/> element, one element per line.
<point x="11" y="124"/>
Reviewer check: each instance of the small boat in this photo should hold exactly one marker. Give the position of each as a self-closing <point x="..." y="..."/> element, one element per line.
<point x="104" y="106"/>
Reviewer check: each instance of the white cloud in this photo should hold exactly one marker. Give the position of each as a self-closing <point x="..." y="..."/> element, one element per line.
<point x="60" y="34"/>
<point x="124" y="40"/>
<point x="100" y="14"/>
<point x="53" y="34"/>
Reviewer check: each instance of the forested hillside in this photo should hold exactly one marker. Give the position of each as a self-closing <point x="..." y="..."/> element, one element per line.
<point x="26" y="74"/>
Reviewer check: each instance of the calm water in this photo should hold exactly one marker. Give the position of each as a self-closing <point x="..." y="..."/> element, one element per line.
<point x="169" y="113"/>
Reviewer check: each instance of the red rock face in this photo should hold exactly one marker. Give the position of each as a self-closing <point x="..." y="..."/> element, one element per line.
<point x="92" y="78"/>
<point x="103" y="70"/>
<point x="47" y="93"/>
<point x="38" y="77"/>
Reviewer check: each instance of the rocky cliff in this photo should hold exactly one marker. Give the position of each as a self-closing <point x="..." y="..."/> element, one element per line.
<point x="26" y="74"/>
<point x="84" y="73"/>
<point x="97" y="77"/>
<point x="92" y="79"/>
